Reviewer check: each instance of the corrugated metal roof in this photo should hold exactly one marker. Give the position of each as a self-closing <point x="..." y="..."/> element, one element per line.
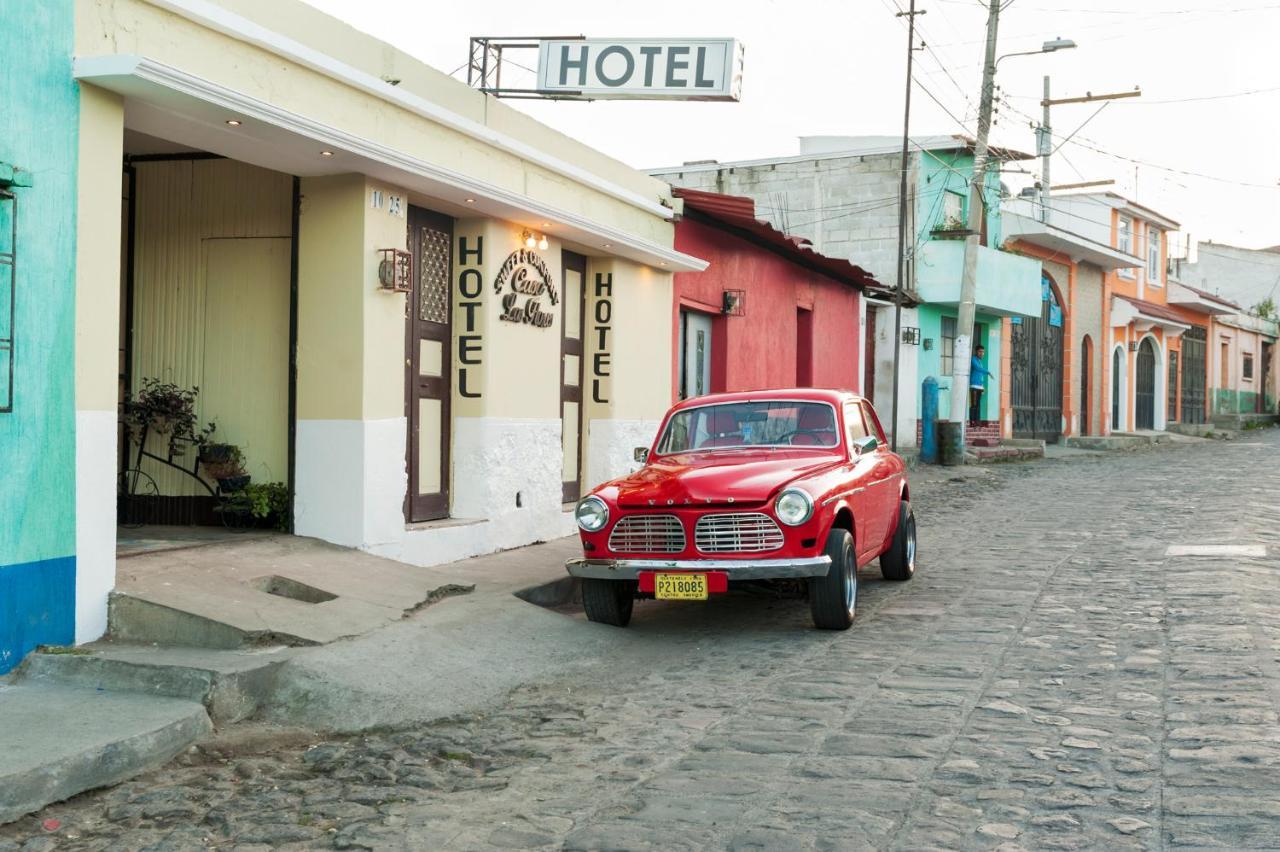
<point x="739" y="212"/>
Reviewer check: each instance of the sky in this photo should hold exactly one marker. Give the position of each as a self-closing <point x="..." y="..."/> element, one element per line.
<point x="1199" y="145"/>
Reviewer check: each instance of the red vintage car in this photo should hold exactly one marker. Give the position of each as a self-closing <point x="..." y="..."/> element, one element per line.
<point x="795" y="488"/>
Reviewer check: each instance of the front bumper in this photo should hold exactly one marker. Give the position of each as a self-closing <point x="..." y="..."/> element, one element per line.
<point x="736" y="569"/>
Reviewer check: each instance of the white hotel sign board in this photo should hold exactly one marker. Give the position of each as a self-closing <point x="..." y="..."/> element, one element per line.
<point x="708" y="69"/>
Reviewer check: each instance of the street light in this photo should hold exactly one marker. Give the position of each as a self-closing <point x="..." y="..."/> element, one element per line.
<point x="1048" y="47"/>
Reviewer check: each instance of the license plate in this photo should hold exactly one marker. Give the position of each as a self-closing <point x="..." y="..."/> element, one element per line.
<point x="680" y="587"/>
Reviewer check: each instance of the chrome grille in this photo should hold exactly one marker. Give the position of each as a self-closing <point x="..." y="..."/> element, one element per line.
<point x="647" y="534"/>
<point x="739" y="532"/>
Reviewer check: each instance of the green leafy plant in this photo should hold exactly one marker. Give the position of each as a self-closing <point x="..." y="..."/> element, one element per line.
<point x="1266" y="309"/>
<point x="267" y="500"/>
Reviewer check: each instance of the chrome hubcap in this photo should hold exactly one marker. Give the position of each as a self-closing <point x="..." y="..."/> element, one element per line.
<point x="850" y="580"/>
<point x="911" y="542"/>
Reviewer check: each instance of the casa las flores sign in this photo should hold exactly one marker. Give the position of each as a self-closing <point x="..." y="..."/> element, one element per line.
<point x="523" y="282"/>
<point x="707" y="69"/>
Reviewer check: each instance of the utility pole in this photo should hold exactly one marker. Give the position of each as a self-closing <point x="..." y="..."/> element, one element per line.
<point x="1045" y="134"/>
<point x="902" y="219"/>
<point x="969" y="277"/>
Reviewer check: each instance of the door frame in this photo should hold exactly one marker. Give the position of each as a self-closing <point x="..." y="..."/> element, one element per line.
<point x="419" y="508"/>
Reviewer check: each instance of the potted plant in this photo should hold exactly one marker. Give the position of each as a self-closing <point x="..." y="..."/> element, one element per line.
<point x="951" y="228"/>
<point x="164" y="409"/>
<point x="228" y="468"/>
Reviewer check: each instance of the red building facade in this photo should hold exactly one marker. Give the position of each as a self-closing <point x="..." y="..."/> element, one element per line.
<point x="769" y="312"/>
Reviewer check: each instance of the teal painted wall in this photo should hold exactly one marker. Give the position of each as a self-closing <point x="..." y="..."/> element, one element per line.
<point x="986" y="333"/>
<point x="1239" y="402"/>
<point x="944" y="171"/>
<point x="39" y="105"/>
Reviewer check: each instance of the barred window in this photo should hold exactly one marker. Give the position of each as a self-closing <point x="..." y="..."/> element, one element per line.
<point x="8" y="262"/>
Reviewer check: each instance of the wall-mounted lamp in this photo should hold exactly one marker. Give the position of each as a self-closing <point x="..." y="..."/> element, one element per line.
<point x="393" y="270"/>
<point x="1133" y="346"/>
<point x="532" y="240"/>
<point x="733" y="303"/>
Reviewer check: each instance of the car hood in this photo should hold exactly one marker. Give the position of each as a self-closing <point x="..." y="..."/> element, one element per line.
<point x="717" y="478"/>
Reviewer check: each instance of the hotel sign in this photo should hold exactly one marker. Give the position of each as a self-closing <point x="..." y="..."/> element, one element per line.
<point x="707" y="69"/>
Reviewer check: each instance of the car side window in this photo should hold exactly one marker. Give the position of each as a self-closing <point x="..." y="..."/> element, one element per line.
<point x="873" y="423"/>
<point x="853" y="424"/>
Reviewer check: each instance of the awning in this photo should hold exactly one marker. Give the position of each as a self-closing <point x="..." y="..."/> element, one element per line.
<point x="1187" y="296"/>
<point x="1145" y="316"/>
<point x="168" y="103"/>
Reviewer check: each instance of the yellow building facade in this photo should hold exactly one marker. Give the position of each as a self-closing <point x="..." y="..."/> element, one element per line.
<point x="425" y="313"/>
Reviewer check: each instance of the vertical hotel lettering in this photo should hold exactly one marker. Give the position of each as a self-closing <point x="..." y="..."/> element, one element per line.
<point x="602" y="315"/>
<point x="470" y="287"/>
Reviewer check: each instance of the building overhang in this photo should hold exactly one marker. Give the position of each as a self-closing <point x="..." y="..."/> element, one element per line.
<point x="1061" y="241"/>
<point x="1186" y="297"/>
<point x="1125" y="312"/>
<point x="168" y="103"/>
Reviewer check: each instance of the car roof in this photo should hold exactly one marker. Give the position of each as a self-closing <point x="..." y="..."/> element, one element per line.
<point x="835" y="397"/>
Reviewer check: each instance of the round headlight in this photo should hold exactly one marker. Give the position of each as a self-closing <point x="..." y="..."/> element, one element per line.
<point x="793" y="507"/>
<point x="592" y="514"/>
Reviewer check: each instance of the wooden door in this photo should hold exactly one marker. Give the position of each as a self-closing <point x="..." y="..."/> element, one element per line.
<point x="869" y="357"/>
<point x="430" y="308"/>
<point x="1086" y="384"/>
<point x="573" y="286"/>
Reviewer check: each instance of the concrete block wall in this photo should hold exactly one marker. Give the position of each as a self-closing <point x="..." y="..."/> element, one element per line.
<point x="846" y="206"/>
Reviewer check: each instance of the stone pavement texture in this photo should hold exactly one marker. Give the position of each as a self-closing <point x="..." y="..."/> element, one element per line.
<point x="1051" y="679"/>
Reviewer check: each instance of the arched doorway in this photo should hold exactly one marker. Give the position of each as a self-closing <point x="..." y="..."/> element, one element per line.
<point x="1144" y="394"/>
<point x="1035" y="356"/>
<point x="1086" y="385"/>
<point x="1117" y="389"/>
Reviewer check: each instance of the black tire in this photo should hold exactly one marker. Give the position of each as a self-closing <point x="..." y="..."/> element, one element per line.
<point x="898" y="563"/>
<point x="609" y="601"/>
<point x="833" y="599"/>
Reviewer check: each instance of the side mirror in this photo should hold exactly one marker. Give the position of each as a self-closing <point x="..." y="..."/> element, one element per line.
<point x="865" y="444"/>
<point x="641" y="454"/>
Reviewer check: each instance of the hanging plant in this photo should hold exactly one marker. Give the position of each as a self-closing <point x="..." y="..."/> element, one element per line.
<point x="164" y="408"/>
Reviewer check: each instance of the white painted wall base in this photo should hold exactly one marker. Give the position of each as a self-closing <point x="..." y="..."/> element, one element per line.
<point x="95" y="520"/>
<point x="611" y="446"/>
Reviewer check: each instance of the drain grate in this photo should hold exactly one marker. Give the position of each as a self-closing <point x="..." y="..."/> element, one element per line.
<point x="283" y="587"/>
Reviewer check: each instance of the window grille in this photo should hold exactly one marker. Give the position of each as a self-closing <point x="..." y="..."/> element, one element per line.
<point x="8" y="263"/>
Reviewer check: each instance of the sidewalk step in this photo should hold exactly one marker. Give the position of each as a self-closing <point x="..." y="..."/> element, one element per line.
<point x="985" y="455"/>
<point x="56" y="741"/>
<point x="230" y="685"/>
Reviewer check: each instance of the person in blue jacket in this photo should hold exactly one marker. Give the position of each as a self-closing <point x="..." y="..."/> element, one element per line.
<point x="978" y="374"/>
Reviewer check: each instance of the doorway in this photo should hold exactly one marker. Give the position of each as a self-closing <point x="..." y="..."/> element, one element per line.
<point x="430" y="305"/>
<point x="1194" y="347"/>
<point x="574" y="273"/>
<point x="1117" y="389"/>
<point x="804" y="348"/>
<point x="1086" y="374"/>
<point x="695" y="354"/>
<point x="869" y="358"/>
<point x="1144" y="396"/>
<point x="1035" y="358"/>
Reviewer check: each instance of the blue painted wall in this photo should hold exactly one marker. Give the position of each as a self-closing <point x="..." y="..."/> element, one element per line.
<point x="39" y="104"/>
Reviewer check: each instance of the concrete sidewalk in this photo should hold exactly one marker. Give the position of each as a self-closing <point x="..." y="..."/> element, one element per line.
<point x="72" y="721"/>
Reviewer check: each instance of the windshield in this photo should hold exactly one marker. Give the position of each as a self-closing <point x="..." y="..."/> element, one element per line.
<point x="769" y="423"/>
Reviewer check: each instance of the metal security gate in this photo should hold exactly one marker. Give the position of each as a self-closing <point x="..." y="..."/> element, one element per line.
<point x="1144" y="397"/>
<point x="1194" y="348"/>
<point x="1171" y="387"/>
<point x="1036" y="370"/>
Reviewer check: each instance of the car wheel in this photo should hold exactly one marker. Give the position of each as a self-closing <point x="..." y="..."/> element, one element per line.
<point x="833" y="598"/>
<point x="609" y="601"/>
<point x="898" y="563"/>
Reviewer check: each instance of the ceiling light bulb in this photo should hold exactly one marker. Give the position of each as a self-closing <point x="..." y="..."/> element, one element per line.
<point x="231" y="122"/>
<point x="471" y="201"/>
<point x="542" y="243"/>
<point x="529" y="241"/>
<point x="326" y="153"/>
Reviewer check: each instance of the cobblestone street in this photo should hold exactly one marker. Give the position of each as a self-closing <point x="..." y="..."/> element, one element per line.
<point x="1051" y="679"/>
